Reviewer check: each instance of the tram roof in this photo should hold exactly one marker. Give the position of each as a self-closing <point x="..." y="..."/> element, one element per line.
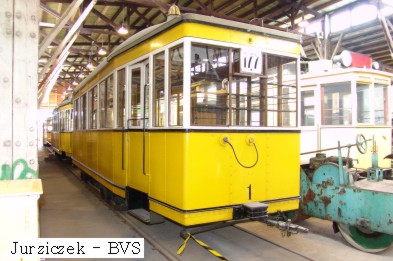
<point x="149" y="32"/>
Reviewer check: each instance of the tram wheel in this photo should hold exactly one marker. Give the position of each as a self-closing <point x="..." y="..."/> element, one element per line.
<point x="365" y="240"/>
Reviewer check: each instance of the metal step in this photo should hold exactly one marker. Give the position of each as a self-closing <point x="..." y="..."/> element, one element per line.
<point x="148" y="217"/>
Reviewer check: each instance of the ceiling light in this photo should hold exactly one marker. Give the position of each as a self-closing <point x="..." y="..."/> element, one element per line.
<point x="122" y="30"/>
<point x="81" y="75"/>
<point x="102" y="51"/>
<point x="89" y="66"/>
<point x="74" y="82"/>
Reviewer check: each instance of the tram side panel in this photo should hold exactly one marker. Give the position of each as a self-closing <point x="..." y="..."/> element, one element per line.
<point x="119" y="162"/>
<point x="65" y="143"/>
<point x="138" y="174"/>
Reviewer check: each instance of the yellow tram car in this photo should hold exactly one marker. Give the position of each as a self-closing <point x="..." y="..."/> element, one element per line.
<point x="62" y="128"/>
<point x="192" y="119"/>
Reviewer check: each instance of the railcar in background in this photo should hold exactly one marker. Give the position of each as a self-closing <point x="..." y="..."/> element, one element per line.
<point x="339" y="102"/>
<point x="62" y="128"/>
<point x="188" y="120"/>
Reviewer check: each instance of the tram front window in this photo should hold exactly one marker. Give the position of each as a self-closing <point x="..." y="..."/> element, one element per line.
<point x="226" y="91"/>
<point x="380" y="93"/>
<point x="209" y="92"/>
<point x="307" y="108"/>
<point x="363" y="99"/>
<point x="337" y="105"/>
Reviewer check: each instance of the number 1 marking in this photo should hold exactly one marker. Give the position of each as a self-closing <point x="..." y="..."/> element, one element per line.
<point x="249" y="192"/>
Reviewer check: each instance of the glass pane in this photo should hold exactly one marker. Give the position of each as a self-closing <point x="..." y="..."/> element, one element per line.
<point x="93" y="108"/>
<point x="62" y="123"/>
<point x="337" y="105"/>
<point x="136" y="113"/>
<point x="102" y="101"/>
<point x="247" y="106"/>
<point x="281" y="91"/>
<point x="308" y="108"/>
<point x="209" y="85"/>
<point x="76" y="118"/>
<point x="176" y="86"/>
<point x="363" y="99"/>
<point x="121" y="89"/>
<point x="84" y="112"/>
<point x="158" y="90"/>
<point x="109" y="104"/>
<point x="380" y="101"/>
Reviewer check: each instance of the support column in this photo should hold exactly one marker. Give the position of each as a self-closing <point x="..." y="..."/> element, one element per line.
<point x="19" y="21"/>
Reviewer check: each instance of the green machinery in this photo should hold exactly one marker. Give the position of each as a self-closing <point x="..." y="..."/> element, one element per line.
<point x="359" y="202"/>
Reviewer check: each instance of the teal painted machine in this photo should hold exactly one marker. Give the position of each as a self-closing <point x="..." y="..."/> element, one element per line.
<point x="359" y="202"/>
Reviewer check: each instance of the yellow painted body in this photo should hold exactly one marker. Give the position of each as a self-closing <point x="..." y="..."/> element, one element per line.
<point x="99" y="155"/>
<point x="194" y="178"/>
<point x="189" y="175"/>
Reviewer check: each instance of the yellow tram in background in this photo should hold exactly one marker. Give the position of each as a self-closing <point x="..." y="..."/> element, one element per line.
<point x="62" y="122"/>
<point x="191" y="120"/>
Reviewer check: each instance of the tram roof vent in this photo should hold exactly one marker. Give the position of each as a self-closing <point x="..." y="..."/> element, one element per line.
<point x="173" y="12"/>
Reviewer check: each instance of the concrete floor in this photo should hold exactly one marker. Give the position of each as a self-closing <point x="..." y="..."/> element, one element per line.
<point x="69" y="210"/>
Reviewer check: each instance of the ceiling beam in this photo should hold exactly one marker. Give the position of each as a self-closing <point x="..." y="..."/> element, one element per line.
<point x="71" y="10"/>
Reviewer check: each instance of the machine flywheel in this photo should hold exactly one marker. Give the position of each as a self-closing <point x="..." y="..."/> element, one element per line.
<point x="365" y="240"/>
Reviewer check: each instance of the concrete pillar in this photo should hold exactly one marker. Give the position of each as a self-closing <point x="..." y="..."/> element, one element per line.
<point x="19" y="34"/>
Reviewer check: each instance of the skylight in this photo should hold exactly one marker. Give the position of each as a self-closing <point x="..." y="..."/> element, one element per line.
<point x="363" y="14"/>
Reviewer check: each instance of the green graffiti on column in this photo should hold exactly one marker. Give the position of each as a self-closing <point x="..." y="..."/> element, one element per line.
<point x="18" y="170"/>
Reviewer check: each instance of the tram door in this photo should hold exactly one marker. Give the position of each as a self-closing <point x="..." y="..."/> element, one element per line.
<point x="138" y="123"/>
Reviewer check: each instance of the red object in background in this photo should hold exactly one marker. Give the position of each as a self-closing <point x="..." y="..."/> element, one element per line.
<point x="351" y="59"/>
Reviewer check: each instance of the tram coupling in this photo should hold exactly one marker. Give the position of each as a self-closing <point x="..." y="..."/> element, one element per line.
<point x="258" y="211"/>
<point x="287" y="227"/>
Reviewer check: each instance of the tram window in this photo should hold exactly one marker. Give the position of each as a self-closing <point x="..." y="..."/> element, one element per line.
<point x="247" y="106"/>
<point x="337" y="105"/>
<point x="93" y="108"/>
<point x="109" y="102"/>
<point x="121" y="89"/>
<point x="380" y="98"/>
<point x="84" y="112"/>
<point x="307" y="108"/>
<point x="54" y="121"/>
<point x="147" y="95"/>
<point x="158" y="89"/>
<point x="209" y="85"/>
<point x="363" y="100"/>
<point x="69" y="120"/>
<point x="136" y="113"/>
<point x="62" y="122"/>
<point x="281" y="91"/>
<point x="176" y="61"/>
<point x="106" y="103"/>
<point x="76" y="114"/>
